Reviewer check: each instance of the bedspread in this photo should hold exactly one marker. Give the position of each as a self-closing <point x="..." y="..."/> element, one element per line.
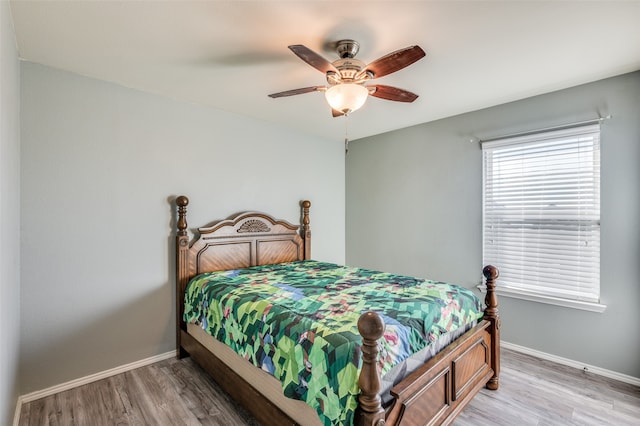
<point x="298" y="322"/>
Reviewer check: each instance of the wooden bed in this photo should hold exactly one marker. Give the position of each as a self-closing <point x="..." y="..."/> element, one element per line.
<point x="433" y="394"/>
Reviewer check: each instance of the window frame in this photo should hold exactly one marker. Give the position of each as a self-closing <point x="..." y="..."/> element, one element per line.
<point x="536" y="292"/>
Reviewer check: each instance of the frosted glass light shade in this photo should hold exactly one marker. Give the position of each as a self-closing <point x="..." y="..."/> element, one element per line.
<point x="346" y="97"/>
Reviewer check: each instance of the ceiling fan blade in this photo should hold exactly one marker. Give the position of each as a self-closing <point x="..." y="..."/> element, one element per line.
<point x="313" y="59"/>
<point x="297" y="91"/>
<point x="394" y="61"/>
<point x="391" y="93"/>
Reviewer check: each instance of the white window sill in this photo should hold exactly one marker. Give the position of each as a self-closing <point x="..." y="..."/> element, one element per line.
<point x="568" y="303"/>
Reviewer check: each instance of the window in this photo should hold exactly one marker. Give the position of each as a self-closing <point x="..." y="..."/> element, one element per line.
<point x="541" y="223"/>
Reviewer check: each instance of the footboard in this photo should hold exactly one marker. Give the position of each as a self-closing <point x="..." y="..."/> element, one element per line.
<point x="438" y="391"/>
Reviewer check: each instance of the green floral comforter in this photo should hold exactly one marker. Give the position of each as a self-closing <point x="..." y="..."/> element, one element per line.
<point x="298" y="321"/>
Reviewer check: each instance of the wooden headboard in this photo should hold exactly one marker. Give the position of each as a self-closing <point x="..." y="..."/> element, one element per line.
<point x="244" y="240"/>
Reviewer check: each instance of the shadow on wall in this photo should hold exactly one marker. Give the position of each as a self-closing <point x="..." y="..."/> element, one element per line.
<point x="110" y="340"/>
<point x="137" y="328"/>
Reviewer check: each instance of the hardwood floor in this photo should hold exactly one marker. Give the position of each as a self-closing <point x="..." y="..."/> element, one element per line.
<point x="538" y="392"/>
<point x="172" y="392"/>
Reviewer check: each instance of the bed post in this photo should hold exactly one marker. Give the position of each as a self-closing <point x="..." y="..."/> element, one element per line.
<point x="306" y="229"/>
<point x="182" y="268"/>
<point x="370" y="411"/>
<point x="491" y="313"/>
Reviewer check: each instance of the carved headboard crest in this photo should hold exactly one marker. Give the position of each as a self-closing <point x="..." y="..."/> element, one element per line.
<point x="253" y="226"/>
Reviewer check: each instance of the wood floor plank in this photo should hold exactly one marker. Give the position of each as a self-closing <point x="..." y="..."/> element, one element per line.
<point x="532" y="392"/>
<point x="163" y="398"/>
<point x="127" y="415"/>
<point x="194" y="388"/>
<point x="66" y="415"/>
<point x="144" y="401"/>
<point x="88" y="404"/>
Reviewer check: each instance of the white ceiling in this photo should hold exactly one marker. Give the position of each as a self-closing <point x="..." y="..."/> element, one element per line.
<point x="231" y="54"/>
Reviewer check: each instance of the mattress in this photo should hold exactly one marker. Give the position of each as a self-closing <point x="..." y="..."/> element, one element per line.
<point x="297" y="321"/>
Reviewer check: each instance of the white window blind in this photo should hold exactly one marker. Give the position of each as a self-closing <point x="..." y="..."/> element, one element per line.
<point x="542" y="213"/>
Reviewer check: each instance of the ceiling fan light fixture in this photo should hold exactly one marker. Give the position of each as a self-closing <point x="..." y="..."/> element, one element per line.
<point x="346" y="97"/>
<point x="347" y="76"/>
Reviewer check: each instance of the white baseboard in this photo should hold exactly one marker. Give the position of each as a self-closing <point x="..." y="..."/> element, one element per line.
<point x="16" y="415"/>
<point x="571" y="363"/>
<point x="85" y="380"/>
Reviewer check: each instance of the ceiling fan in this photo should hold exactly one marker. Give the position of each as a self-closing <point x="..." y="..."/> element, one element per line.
<point x="347" y="76"/>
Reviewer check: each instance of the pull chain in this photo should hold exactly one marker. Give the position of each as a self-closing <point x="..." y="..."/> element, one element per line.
<point x="346" y="134"/>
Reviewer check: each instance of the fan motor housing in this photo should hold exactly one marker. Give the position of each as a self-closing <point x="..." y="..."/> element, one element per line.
<point x="348" y="67"/>
<point x="347" y="48"/>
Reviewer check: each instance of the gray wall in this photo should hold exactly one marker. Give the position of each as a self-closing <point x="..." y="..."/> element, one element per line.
<point x="100" y="163"/>
<point x="9" y="216"/>
<point x="414" y="205"/>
